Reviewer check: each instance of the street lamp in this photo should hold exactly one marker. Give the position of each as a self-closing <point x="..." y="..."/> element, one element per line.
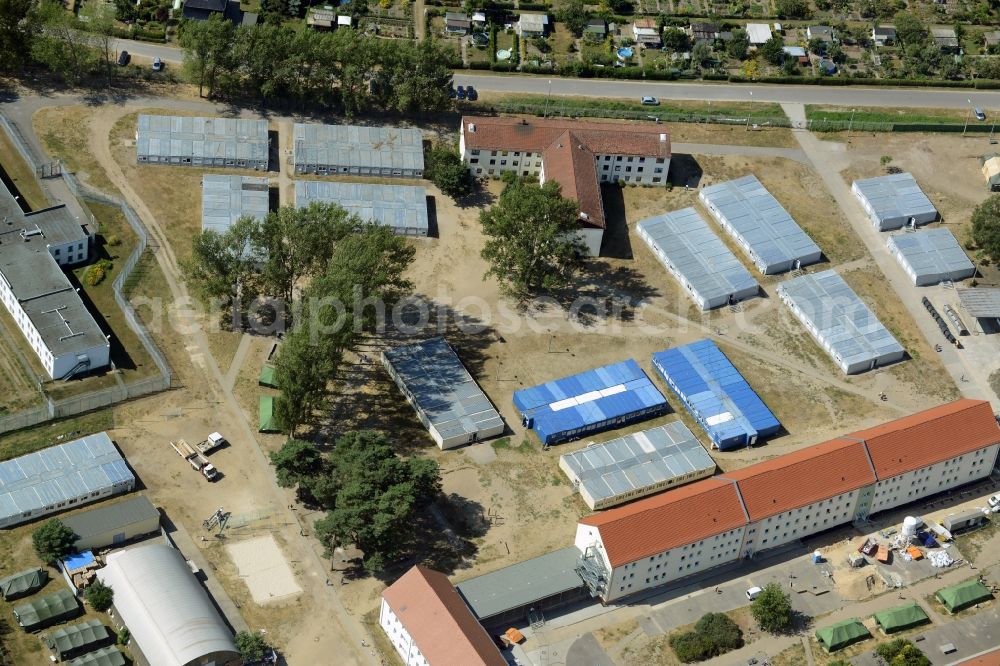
<point x="750" y="111"/>
<point x="967" y="116"/>
<point x="548" y="93"/>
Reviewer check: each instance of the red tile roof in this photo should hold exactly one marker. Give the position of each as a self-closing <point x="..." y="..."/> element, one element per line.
<point x="991" y="658"/>
<point x="439" y="622"/>
<point x="569" y="163"/>
<point x="809" y="475"/>
<point x="712" y="506"/>
<point x="671" y="519"/>
<point x="930" y="436"/>
<point x="536" y="134"/>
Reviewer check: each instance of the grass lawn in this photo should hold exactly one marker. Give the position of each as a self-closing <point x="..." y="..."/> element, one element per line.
<point x="971" y="543"/>
<point x="876" y="115"/>
<point x="65" y="131"/>
<point x="596" y="53"/>
<point x="19" y="172"/>
<point x="738" y="109"/>
<point x="54" y="432"/>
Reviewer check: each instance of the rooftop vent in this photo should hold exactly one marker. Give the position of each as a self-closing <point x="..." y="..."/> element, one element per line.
<point x="472" y="128"/>
<point x="663" y="137"/>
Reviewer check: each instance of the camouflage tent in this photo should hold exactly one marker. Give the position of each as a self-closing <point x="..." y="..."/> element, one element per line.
<point x="48" y="610"/>
<point x="23" y="583"/>
<point x="74" y="640"/>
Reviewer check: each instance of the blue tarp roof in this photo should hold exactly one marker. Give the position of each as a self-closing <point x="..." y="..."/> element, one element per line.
<point x="586" y="399"/>
<point x="78" y="560"/>
<point x="715" y="393"/>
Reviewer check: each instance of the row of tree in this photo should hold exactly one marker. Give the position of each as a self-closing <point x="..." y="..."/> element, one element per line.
<point x="345" y="69"/>
<point x="372" y="497"/>
<point x="330" y="275"/>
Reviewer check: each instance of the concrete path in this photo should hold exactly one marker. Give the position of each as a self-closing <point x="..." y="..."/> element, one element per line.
<point x="828" y="159"/>
<point x="750" y="151"/>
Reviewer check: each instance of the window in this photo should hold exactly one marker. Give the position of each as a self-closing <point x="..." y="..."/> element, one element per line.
<point x="618" y="159"/>
<point x="474" y="160"/>
<point x="475" y="152"/>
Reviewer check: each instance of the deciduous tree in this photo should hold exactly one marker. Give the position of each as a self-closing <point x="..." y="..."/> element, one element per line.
<point x="532" y="242"/>
<point x="206" y="47"/>
<point x="251" y="645"/>
<point x="986" y="227"/>
<point x="444" y="167"/>
<point x="772" y="609"/>
<point x="100" y="596"/>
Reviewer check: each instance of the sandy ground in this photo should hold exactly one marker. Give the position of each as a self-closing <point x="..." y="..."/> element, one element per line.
<point x="264" y="569"/>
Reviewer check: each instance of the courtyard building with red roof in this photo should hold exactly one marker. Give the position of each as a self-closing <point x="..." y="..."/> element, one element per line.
<point x="577" y="155"/>
<point x="737" y="514"/>
<point x="430" y="625"/>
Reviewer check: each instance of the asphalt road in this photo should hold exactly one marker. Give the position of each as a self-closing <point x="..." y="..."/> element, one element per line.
<point x="721" y="92"/>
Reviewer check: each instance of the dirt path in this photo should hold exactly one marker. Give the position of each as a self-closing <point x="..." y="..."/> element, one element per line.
<point x="418" y="18"/>
<point x="238" y="358"/>
<point x="333" y="629"/>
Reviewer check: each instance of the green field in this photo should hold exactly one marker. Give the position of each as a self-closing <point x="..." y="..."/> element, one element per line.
<point x="54" y="432"/>
<point x="736" y="109"/>
<point x="870" y="115"/>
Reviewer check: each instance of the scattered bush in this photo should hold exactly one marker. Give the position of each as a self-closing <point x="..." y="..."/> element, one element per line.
<point x="100" y="596"/>
<point x="112" y="240"/>
<point x="713" y="634"/>
<point x="96" y="273"/>
<point x="902" y="652"/>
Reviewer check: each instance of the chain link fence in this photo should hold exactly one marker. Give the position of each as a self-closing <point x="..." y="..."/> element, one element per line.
<point x="106" y="397"/>
<point x="663" y="116"/>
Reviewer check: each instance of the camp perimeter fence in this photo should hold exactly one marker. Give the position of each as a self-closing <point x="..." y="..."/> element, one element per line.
<point x="555" y="110"/>
<point x="122" y="391"/>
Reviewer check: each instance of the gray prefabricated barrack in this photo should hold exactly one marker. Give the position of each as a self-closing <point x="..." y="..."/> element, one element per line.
<point x="760" y="225"/>
<point x="401" y="207"/>
<point x="697" y="258"/>
<point x="636" y="465"/>
<point x="447" y="399"/>
<point x="840" y="322"/>
<point x="931" y="256"/>
<point x="200" y="141"/>
<point x="894" y="201"/>
<point x="358" y="151"/>
<point x="225" y="199"/>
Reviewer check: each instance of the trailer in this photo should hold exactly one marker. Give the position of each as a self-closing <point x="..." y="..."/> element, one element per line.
<point x="197" y="460"/>
<point x="211" y="443"/>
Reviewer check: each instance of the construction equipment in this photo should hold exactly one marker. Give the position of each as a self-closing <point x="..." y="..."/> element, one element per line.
<point x="197" y="460"/>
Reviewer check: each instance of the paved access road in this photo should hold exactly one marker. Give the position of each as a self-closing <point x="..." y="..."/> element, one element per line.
<point x="722" y="92"/>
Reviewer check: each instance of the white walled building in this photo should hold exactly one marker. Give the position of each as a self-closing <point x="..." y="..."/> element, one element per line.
<point x="40" y="298"/>
<point x="429" y="624"/>
<point x="577" y="155"/>
<point x="737" y="514"/>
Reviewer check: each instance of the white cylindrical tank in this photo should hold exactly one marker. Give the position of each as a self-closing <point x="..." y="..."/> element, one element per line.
<point x="910" y="525"/>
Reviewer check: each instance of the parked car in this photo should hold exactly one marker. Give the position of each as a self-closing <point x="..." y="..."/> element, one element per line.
<point x="451" y="92"/>
<point x="753" y="593"/>
<point x="157" y="65"/>
<point x="471" y="94"/>
<point x="124" y="58"/>
<point x="460" y="92"/>
<point x="979" y="114"/>
<point x="994" y="502"/>
<point x="650" y="101"/>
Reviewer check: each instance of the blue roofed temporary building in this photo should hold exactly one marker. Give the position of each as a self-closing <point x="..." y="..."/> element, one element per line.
<point x="716" y="394"/>
<point x="894" y="201"/>
<point x="760" y="225"/>
<point x="702" y="264"/>
<point x="60" y="478"/>
<point x="595" y="400"/>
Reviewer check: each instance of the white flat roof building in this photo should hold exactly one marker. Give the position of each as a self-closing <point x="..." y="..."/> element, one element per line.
<point x="60" y="478"/>
<point x="225" y="199"/>
<point x="760" y="225"/>
<point x="840" y="322"/>
<point x="695" y="256"/>
<point x="400" y="207"/>
<point x="894" y="201"/>
<point x="168" y="614"/>
<point x="637" y="465"/>
<point x="358" y="151"/>
<point x="448" y="401"/>
<point x="931" y="256"/>
<point x="200" y="141"/>
<point x="758" y="33"/>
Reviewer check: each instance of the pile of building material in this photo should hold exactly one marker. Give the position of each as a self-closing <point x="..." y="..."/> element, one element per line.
<point x="939" y="559"/>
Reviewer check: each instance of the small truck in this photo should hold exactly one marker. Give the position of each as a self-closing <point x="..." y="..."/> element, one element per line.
<point x="214" y="441"/>
<point x="197" y="460"/>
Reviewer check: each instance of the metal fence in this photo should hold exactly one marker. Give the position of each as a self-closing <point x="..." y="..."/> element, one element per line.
<point x="106" y="397"/>
<point x="663" y="116"/>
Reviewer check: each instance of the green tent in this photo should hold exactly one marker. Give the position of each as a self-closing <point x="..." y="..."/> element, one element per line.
<point x="265" y="414"/>
<point x="107" y="656"/>
<point x="76" y="639"/>
<point x="840" y="635"/>
<point x="963" y="595"/>
<point x="267" y="377"/>
<point x="23" y="583"/>
<point x="901" y="617"/>
<point x="50" y="609"/>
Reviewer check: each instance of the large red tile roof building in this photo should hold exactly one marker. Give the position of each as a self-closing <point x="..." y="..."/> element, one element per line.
<point x="429" y="624"/>
<point x="576" y="154"/>
<point x="735" y="514"/>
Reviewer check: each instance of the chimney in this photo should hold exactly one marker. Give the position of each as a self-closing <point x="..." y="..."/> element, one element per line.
<point x="663" y="136"/>
<point x="584" y="216"/>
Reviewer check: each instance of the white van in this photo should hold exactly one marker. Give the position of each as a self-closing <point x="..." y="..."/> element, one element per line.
<point x="753" y="593"/>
